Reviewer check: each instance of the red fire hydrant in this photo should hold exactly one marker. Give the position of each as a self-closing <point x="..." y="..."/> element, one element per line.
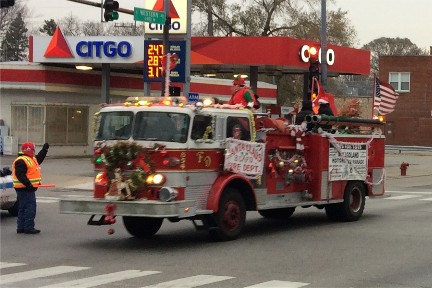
<point x="404" y="167"/>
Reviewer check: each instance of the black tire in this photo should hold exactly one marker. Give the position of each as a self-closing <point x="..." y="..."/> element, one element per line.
<point x="351" y="209"/>
<point x="333" y="212"/>
<point x="142" y="227"/>
<point x="230" y="217"/>
<point x="277" y="213"/>
<point x="13" y="211"/>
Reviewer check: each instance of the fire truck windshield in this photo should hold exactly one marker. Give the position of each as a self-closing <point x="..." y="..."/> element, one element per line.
<point x="161" y="126"/>
<point x="115" y="125"/>
<point x="150" y="126"/>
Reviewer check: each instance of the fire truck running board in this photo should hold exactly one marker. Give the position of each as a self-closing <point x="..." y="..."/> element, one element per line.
<point x="276" y="205"/>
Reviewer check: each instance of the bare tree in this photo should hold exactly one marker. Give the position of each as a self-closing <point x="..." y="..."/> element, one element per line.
<point x="92" y="28"/>
<point x="295" y="18"/>
<point x="71" y="26"/>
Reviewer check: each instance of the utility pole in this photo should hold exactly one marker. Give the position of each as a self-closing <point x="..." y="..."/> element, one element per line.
<point x="165" y="43"/>
<point x="324" y="44"/>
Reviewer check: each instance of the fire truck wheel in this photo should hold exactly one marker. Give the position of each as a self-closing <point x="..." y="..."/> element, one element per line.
<point x="277" y="213"/>
<point x="352" y="207"/>
<point x="231" y="216"/>
<point x="142" y="227"/>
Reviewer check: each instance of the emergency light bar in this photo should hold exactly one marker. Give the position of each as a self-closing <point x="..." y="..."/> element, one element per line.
<point x="147" y="101"/>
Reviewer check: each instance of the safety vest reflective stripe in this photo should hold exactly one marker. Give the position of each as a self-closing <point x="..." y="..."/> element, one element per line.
<point x="33" y="172"/>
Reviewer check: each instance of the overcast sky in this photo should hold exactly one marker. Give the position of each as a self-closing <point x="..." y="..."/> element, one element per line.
<point x="371" y="19"/>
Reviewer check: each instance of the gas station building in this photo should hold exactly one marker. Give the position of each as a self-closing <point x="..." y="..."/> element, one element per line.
<point x="48" y="100"/>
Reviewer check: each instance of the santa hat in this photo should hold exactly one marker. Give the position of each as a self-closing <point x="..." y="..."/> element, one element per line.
<point x="28" y="148"/>
<point x="239" y="80"/>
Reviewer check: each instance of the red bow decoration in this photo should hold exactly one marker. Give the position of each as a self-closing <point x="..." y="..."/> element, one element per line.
<point x="173" y="61"/>
<point x="140" y="162"/>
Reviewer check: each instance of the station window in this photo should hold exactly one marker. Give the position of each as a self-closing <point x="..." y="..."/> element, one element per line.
<point x="400" y="81"/>
<point x="61" y="125"/>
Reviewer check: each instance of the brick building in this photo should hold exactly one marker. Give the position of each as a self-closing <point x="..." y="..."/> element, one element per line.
<point x="411" y="122"/>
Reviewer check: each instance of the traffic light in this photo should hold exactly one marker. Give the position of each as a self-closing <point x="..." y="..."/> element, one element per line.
<point x="7" y="3"/>
<point x="111" y="8"/>
<point x="314" y="62"/>
<point x="314" y="69"/>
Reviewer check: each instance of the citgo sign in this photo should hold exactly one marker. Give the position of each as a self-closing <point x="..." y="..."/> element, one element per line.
<point x="178" y="11"/>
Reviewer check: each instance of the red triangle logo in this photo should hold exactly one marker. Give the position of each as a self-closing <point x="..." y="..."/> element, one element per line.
<point x="58" y="47"/>
<point x="159" y="6"/>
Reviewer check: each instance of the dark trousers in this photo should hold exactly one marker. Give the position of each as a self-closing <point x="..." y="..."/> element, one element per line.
<point x="27" y="209"/>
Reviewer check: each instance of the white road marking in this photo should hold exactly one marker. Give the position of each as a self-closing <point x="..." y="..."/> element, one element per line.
<point x="46" y="201"/>
<point x="22" y="276"/>
<point x="426" y="199"/>
<point x="190" y="282"/>
<point x="409" y="192"/>
<point x="402" y="197"/>
<point x="278" y="284"/>
<point x="7" y="265"/>
<point x="103" y="279"/>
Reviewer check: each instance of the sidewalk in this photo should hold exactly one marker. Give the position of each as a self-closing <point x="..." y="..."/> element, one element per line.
<point x="77" y="173"/>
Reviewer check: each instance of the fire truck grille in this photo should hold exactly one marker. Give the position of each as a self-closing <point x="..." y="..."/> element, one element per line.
<point x="199" y="194"/>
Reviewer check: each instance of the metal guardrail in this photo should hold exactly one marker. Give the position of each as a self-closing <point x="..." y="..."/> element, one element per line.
<point x="407" y="148"/>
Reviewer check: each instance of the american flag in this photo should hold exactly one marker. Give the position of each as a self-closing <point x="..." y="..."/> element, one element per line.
<point x="385" y="97"/>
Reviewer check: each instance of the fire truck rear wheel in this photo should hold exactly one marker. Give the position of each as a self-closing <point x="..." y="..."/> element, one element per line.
<point x="277" y="213"/>
<point x="231" y="216"/>
<point x="142" y="227"/>
<point x="351" y="209"/>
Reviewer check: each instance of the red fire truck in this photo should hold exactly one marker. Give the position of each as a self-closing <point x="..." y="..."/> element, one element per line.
<point x="162" y="158"/>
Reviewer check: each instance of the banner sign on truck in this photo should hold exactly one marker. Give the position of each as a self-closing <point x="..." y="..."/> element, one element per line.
<point x="244" y="157"/>
<point x="348" y="162"/>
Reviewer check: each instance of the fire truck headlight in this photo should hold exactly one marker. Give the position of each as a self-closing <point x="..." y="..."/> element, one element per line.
<point x="156" y="179"/>
<point x="101" y="179"/>
<point x="167" y="194"/>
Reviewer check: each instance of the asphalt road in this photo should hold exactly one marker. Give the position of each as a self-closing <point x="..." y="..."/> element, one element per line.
<point x="388" y="247"/>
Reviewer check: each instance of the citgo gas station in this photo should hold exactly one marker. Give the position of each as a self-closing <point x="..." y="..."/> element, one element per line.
<point x="126" y="66"/>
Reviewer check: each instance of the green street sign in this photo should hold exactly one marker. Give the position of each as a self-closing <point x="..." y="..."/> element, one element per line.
<point x="151" y="16"/>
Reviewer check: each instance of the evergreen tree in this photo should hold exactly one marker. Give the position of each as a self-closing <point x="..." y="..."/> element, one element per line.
<point x="49" y="27"/>
<point x="15" y="43"/>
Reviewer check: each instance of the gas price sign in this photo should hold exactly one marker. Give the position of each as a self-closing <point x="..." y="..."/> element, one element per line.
<point x="153" y="53"/>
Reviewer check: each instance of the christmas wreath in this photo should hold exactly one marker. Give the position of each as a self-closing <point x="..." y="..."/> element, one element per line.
<point x="130" y="160"/>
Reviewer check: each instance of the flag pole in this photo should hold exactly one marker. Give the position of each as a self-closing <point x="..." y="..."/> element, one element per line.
<point x="373" y="95"/>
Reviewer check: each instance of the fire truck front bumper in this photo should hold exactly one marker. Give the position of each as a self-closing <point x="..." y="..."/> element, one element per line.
<point x="142" y="208"/>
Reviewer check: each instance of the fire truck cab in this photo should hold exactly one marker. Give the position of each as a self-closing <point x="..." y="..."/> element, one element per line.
<point x="161" y="158"/>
